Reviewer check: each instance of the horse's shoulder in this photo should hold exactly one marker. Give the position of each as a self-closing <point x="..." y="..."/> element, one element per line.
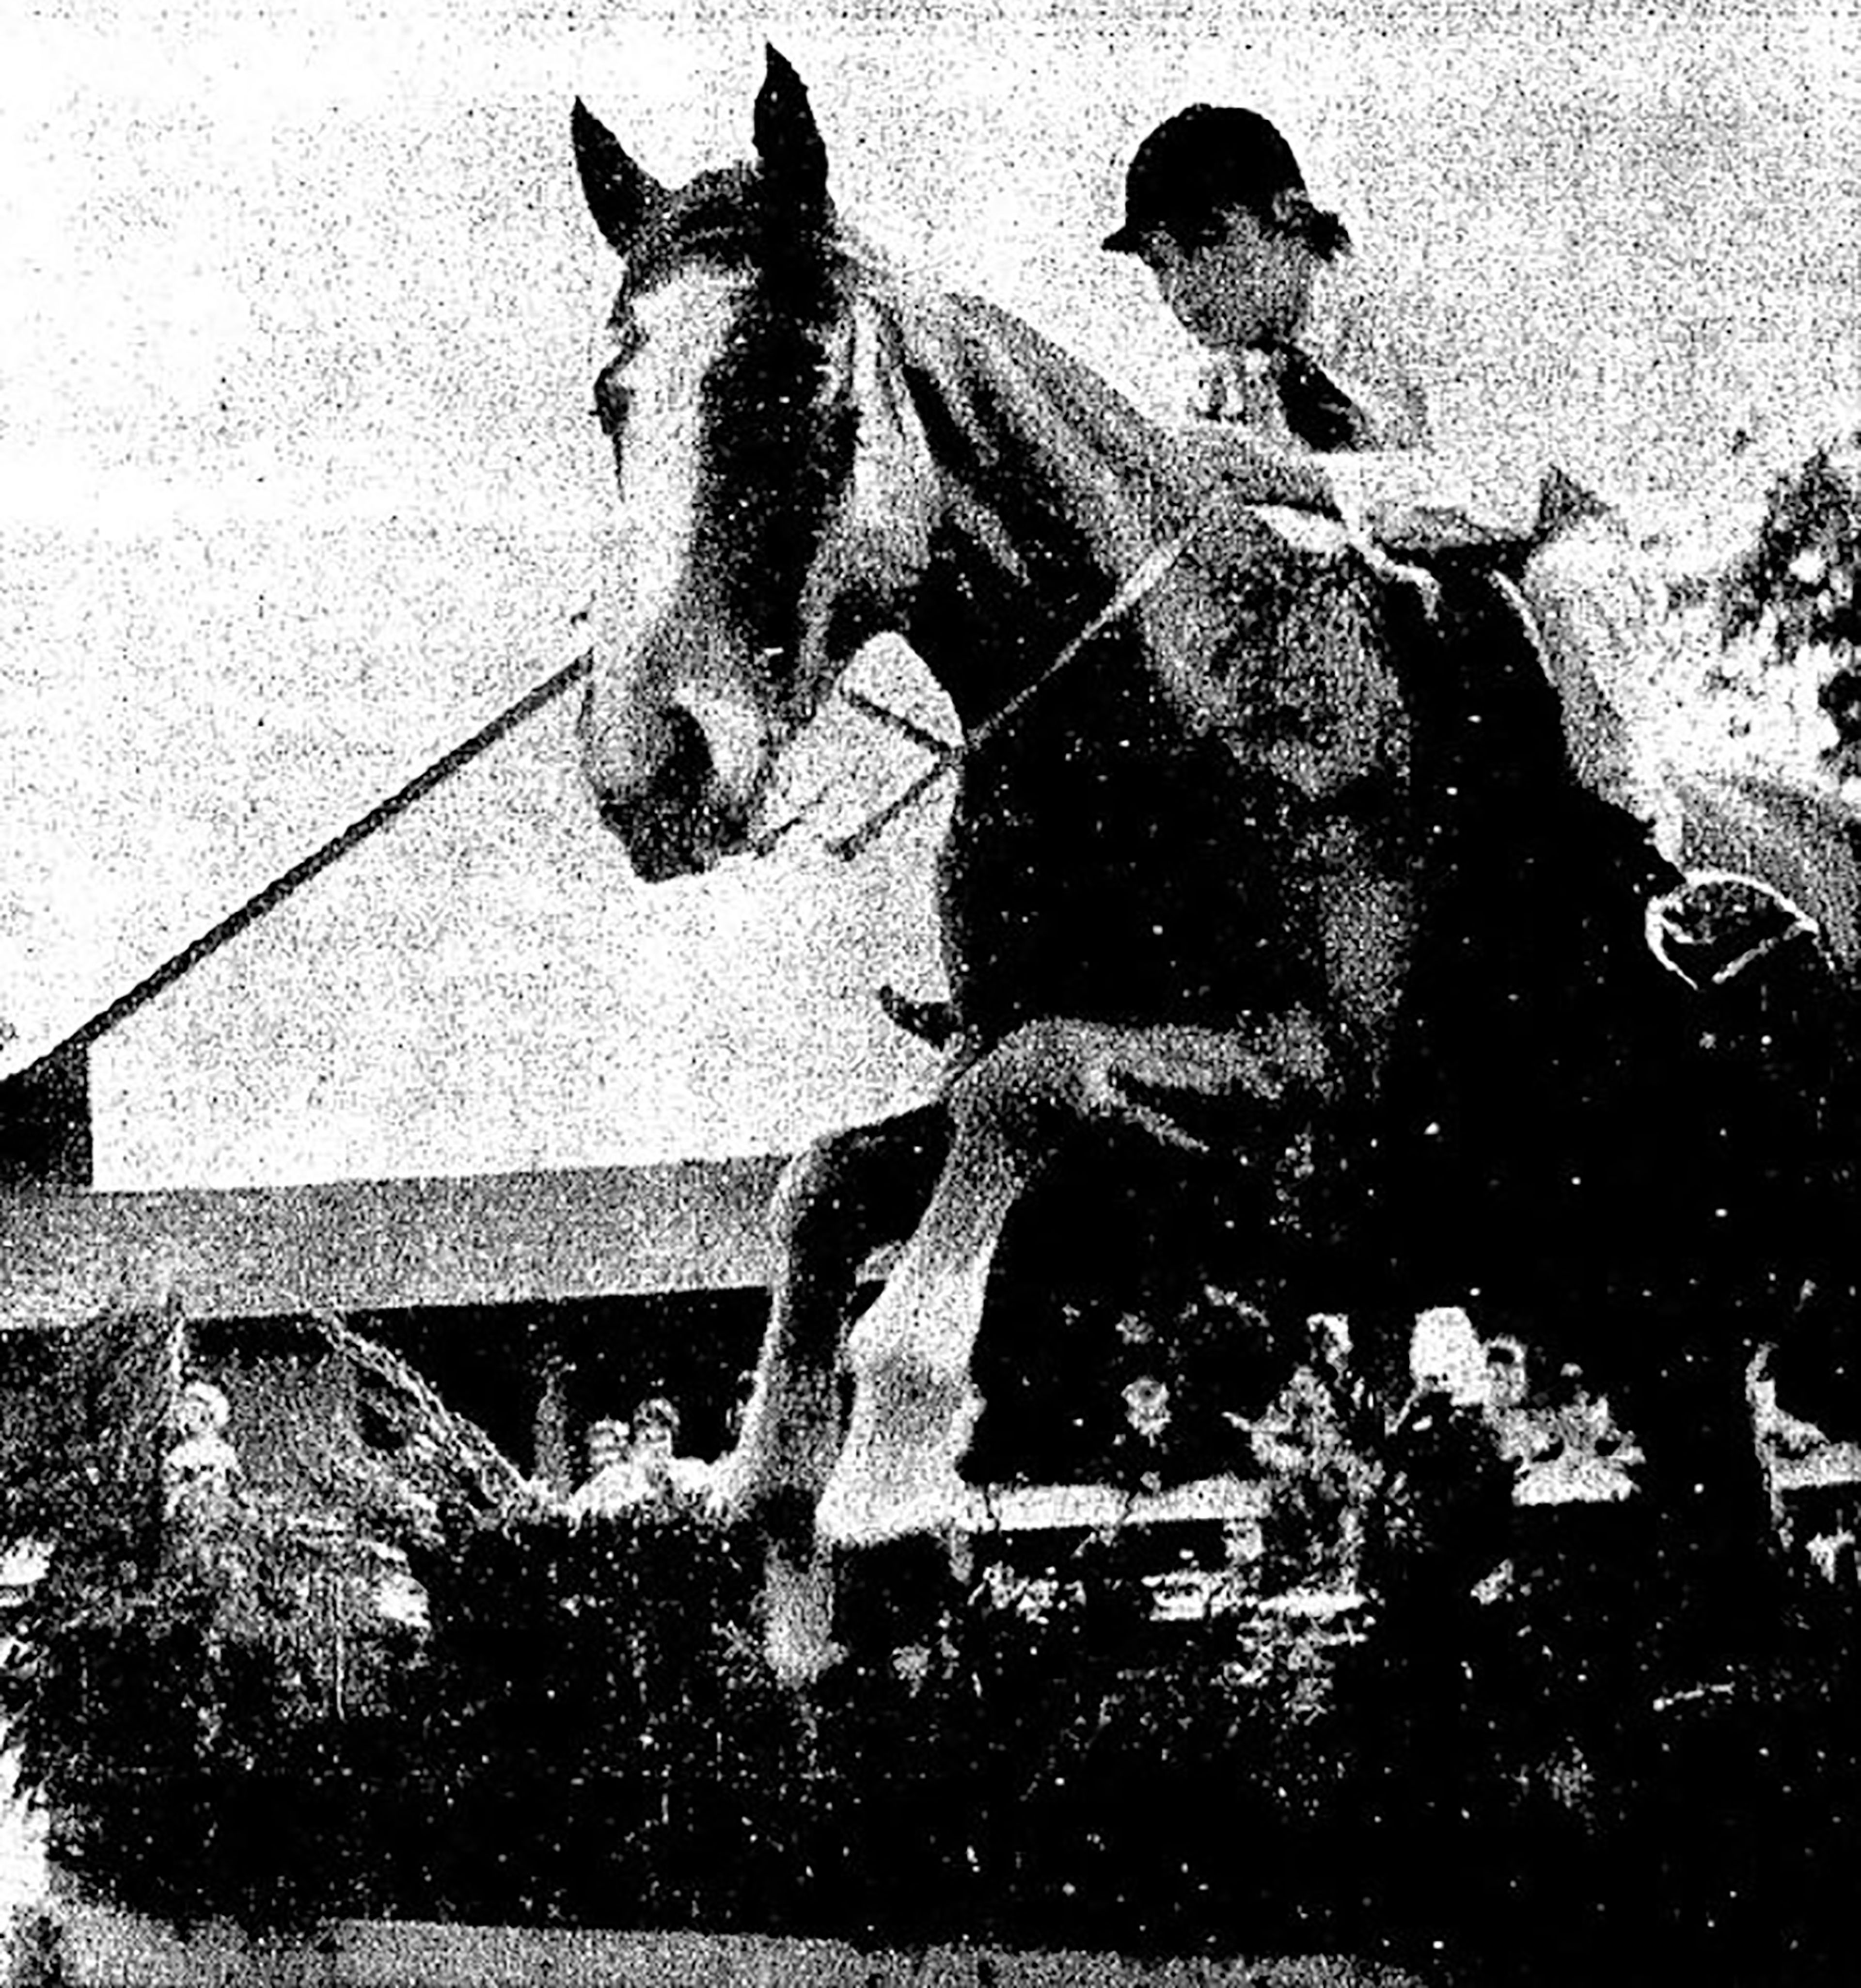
<point x="1284" y="640"/>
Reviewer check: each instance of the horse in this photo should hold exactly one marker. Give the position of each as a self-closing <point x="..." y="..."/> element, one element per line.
<point x="1266" y="888"/>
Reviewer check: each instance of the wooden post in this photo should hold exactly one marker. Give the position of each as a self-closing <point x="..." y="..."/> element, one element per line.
<point x="552" y="1463"/>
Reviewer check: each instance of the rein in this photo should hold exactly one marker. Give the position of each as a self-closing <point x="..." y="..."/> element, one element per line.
<point x="1141" y="584"/>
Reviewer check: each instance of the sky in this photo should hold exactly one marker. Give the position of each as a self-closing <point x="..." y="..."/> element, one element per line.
<point x="296" y="485"/>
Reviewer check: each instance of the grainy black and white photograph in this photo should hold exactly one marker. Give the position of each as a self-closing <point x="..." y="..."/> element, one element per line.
<point x="929" y="993"/>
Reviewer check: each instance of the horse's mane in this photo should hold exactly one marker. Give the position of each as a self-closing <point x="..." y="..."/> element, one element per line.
<point x="1015" y="422"/>
<point x="1017" y="419"/>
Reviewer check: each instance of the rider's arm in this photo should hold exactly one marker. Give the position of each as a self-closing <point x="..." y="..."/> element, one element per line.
<point x="1439" y="472"/>
<point x="1255" y="469"/>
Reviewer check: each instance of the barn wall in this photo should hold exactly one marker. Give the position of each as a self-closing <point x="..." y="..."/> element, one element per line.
<point x="386" y="1246"/>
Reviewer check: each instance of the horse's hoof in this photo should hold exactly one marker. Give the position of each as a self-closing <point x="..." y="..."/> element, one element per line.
<point x="798" y="1604"/>
<point x="860" y="1509"/>
<point x="798" y="1666"/>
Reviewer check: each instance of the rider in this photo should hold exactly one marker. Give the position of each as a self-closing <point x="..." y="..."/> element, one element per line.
<point x="1312" y="399"/>
<point x="1306" y="402"/>
<point x="1303" y="362"/>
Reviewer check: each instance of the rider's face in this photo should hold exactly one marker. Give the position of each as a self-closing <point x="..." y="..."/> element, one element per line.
<point x="1248" y="286"/>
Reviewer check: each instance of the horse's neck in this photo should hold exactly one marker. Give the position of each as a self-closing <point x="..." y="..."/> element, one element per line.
<point x="1050" y="492"/>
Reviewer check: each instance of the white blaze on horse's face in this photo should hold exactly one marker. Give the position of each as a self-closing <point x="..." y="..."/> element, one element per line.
<point x="730" y="403"/>
<point x="675" y="743"/>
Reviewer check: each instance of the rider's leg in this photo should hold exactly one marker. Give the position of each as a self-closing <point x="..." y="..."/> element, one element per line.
<point x="1598" y="610"/>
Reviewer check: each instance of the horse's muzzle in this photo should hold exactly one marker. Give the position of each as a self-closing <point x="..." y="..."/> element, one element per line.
<point x="679" y="824"/>
<point x="658" y="846"/>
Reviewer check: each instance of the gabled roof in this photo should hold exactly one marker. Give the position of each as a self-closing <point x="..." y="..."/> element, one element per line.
<point x="19" y="1055"/>
<point x="388" y="1245"/>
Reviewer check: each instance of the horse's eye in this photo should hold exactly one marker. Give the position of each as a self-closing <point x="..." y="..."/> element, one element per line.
<point x="611" y="399"/>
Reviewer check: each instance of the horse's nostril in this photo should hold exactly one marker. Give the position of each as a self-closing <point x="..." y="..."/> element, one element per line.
<point x="669" y="815"/>
<point x="659" y="846"/>
<point x="685" y="769"/>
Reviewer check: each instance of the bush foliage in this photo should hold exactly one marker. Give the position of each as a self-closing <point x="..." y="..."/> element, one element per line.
<point x="583" y="1731"/>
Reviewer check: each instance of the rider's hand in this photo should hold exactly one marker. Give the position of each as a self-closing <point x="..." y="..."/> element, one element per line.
<point x="1253" y="470"/>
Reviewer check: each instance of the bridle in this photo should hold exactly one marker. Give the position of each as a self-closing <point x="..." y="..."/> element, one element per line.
<point x="947" y="759"/>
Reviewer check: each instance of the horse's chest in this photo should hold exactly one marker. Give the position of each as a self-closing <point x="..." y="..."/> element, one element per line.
<point x="1117" y="879"/>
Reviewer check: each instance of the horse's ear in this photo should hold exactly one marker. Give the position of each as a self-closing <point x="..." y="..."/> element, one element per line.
<point x="788" y="142"/>
<point x="620" y="194"/>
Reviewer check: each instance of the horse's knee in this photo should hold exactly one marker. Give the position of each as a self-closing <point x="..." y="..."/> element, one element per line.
<point x="850" y="1190"/>
<point x="1039" y="1071"/>
<point x="808" y="1189"/>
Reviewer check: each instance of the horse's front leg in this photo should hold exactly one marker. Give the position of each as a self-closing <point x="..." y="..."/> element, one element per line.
<point x="847" y="1194"/>
<point x="914" y="1404"/>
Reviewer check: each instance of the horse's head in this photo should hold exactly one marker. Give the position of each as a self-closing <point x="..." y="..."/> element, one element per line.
<point x="740" y="577"/>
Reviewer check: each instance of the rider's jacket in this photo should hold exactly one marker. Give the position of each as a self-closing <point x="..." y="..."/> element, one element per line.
<point x="1418" y="486"/>
<point x="1356" y="339"/>
<point x="1417" y="464"/>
